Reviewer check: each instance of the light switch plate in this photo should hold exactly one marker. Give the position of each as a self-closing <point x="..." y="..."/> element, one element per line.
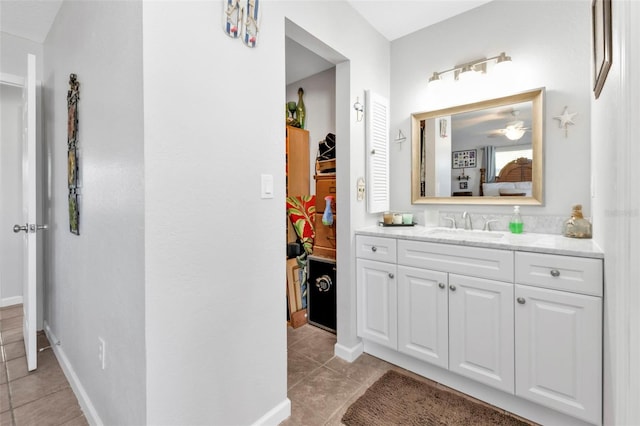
<point x="266" y="186"/>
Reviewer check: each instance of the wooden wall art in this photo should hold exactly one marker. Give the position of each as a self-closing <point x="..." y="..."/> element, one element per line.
<point x="73" y="95"/>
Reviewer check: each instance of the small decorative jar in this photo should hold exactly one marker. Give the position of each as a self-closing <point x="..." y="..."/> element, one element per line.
<point x="577" y="226"/>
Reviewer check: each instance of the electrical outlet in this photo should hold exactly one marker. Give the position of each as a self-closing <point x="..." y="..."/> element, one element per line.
<point x="102" y="351"/>
<point x="361" y="187"/>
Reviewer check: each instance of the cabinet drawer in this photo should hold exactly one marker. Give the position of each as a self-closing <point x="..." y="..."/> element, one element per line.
<point x="324" y="187"/>
<point x="376" y="248"/>
<point x="325" y="235"/>
<point x="472" y="261"/>
<point x="568" y="273"/>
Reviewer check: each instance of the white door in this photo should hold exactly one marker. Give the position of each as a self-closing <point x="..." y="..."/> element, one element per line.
<point x="559" y="350"/>
<point x="423" y="318"/>
<point x="29" y="207"/>
<point x="481" y="327"/>
<point x="377" y="302"/>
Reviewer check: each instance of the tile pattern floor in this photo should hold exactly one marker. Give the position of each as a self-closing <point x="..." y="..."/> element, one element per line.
<point x="321" y="386"/>
<point x="40" y="397"/>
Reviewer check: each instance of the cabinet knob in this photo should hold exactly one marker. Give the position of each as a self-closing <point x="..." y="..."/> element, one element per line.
<point x="520" y="300"/>
<point x="441" y="285"/>
<point x="555" y="273"/>
<point x="374" y="249"/>
<point x="390" y="275"/>
<point x="373" y="151"/>
<point x="452" y="287"/>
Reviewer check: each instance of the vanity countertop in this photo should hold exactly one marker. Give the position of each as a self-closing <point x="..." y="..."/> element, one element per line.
<point x="531" y="242"/>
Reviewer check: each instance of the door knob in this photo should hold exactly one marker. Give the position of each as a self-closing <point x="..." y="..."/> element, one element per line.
<point x="18" y="228"/>
<point x="31" y="228"/>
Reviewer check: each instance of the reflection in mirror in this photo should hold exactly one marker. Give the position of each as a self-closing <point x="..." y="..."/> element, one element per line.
<point x="488" y="152"/>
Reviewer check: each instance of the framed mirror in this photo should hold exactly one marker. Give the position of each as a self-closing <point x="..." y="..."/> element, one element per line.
<point x="488" y="152"/>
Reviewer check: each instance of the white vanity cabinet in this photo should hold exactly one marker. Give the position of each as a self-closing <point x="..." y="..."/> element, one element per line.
<point x="558" y="333"/>
<point x="456" y="314"/>
<point x="423" y="314"/>
<point x="528" y="324"/>
<point x="377" y="306"/>
<point x="481" y="330"/>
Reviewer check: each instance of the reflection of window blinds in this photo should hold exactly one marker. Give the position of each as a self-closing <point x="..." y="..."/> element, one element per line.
<point x="377" y="146"/>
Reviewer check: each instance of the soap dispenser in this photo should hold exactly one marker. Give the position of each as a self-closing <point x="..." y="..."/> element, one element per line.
<point x="515" y="223"/>
<point x="577" y="226"/>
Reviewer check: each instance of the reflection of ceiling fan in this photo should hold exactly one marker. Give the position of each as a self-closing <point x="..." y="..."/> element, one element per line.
<point x="514" y="130"/>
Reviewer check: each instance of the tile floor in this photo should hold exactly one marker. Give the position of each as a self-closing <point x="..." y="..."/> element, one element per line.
<point x="321" y="386"/>
<point x="40" y="397"/>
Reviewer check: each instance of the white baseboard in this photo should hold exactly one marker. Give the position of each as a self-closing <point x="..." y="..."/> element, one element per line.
<point x="9" y="301"/>
<point x="83" y="399"/>
<point x="348" y="354"/>
<point x="276" y="415"/>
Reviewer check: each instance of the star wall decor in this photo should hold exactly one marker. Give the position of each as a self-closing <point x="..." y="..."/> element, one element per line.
<point x="565" y="119"/>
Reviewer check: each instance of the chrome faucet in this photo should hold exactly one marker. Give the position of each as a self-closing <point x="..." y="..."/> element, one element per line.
<point x="467" y="220"/>
<point x="453" y="221"/>
<point x="487" y="224"/>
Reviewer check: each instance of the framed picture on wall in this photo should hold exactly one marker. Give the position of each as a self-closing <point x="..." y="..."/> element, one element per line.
<point x="602" y="45"/>
<point x="463" y="159"/>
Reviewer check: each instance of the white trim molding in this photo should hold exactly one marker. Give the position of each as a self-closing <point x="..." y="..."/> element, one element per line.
<point x="87" y="406"/>
<point x="276" y="415"/>
<point x="9" y="301"/>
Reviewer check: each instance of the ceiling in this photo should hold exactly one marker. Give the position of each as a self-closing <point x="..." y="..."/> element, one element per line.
<point x="32" y="19"/>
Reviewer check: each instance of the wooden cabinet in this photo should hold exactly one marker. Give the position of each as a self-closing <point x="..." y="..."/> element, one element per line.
<point x="297" y="161"/>
<point x="297" y="172"/>
<point x="325" y="241"/>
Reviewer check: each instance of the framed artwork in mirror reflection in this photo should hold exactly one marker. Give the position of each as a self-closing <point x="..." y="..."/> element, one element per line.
<point x="463" y="159"/>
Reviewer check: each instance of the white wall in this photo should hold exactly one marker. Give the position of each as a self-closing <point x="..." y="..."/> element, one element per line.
<point x="13" y="55"/>
<point x="11" y="259"/>
<point x="214" y="248"/>
<point x="550" y="45"/>
<point x="320" y="102"/>
<point x="95" y="282"/>
<point x="616" y="206"/>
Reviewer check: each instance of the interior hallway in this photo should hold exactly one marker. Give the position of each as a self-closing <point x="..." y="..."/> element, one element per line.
<point x="40" y="397"/>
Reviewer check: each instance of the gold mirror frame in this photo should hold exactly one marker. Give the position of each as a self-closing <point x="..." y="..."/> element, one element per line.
<point x="536" y="96"/>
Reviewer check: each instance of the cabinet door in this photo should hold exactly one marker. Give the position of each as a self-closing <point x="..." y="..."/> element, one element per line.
<point x="481" y="344"/>
<point x="423" y="322"/>
<point x="559" y="350"/>
<point x="377" y="302"/>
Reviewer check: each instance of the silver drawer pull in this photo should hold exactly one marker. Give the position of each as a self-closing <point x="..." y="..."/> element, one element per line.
<point x="390" y="275"/>
<point x="441" y="285"/>
<point x="452" y="287"/>
<point x="374" y="249"/>
<point x="520" y="300"/>
<point x="555" y="273"/>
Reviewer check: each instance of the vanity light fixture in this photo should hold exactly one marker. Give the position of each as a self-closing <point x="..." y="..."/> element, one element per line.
<point x="471" y="69"/>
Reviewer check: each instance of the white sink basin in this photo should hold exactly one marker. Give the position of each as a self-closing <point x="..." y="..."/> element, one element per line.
<point x="463" y="234"/>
